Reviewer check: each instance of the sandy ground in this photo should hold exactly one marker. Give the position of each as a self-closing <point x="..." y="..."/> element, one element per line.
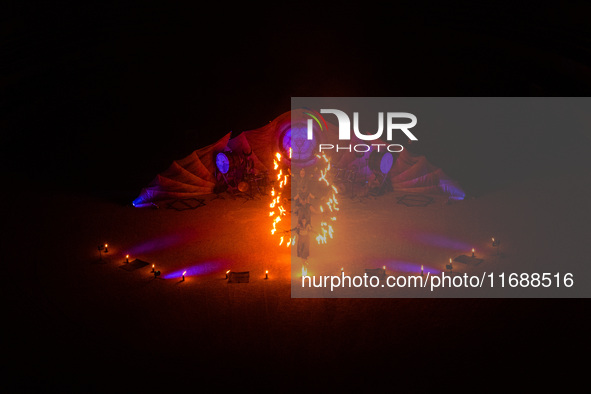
<point x="86" y="324"/>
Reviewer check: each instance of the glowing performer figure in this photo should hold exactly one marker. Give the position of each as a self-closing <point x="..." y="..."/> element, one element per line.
<point x="303" y="243"/>
<point x="304" y="204"/>
<point x="301" y="181"/>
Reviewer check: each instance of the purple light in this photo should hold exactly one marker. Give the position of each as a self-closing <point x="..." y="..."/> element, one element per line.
<point x="296" y="138"/>
<point x="161" y="243"/>
<point x="437" y="240"/>
<point x="287" y="141"/>
<point x="407" y="266"/>
<point x="196" y="269"/>
<point x="386" y="163"/>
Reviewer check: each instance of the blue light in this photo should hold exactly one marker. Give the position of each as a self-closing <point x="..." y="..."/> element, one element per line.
<point x="442" y="241"/>
<point x="222" y="162"/>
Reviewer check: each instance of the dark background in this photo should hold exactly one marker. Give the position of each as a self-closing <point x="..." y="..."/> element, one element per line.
<point x="102" y="97"/>
<point x="99" y="98"/>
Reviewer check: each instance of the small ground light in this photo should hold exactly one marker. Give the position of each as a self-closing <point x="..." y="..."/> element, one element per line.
<point x="267" y="274"/>
<point x="127" y="258"/>
<point x="472" y="252"/>
<point x="421" y="269"/>
<point x="184" y="275"/>
<point x="227" y="272"/>
<point x="153" y="268"/>
<point x="106" y="248"/>
<point x="449" y="266"/>
<point x="496" y="243"/>
<point x="342" y="270"/>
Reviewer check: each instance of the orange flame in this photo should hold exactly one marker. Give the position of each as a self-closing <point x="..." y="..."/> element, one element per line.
<point x="276" y="204"/>
<point x="278" y="210"/>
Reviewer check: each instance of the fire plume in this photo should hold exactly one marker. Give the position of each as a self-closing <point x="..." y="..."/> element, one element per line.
<point x="276" y="205"/>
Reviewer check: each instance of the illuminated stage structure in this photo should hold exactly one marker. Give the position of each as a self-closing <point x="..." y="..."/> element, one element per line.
<point x="247" y="161"/>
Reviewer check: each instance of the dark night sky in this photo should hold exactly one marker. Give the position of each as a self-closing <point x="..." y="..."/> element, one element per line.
<point x="103" y="97"/>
